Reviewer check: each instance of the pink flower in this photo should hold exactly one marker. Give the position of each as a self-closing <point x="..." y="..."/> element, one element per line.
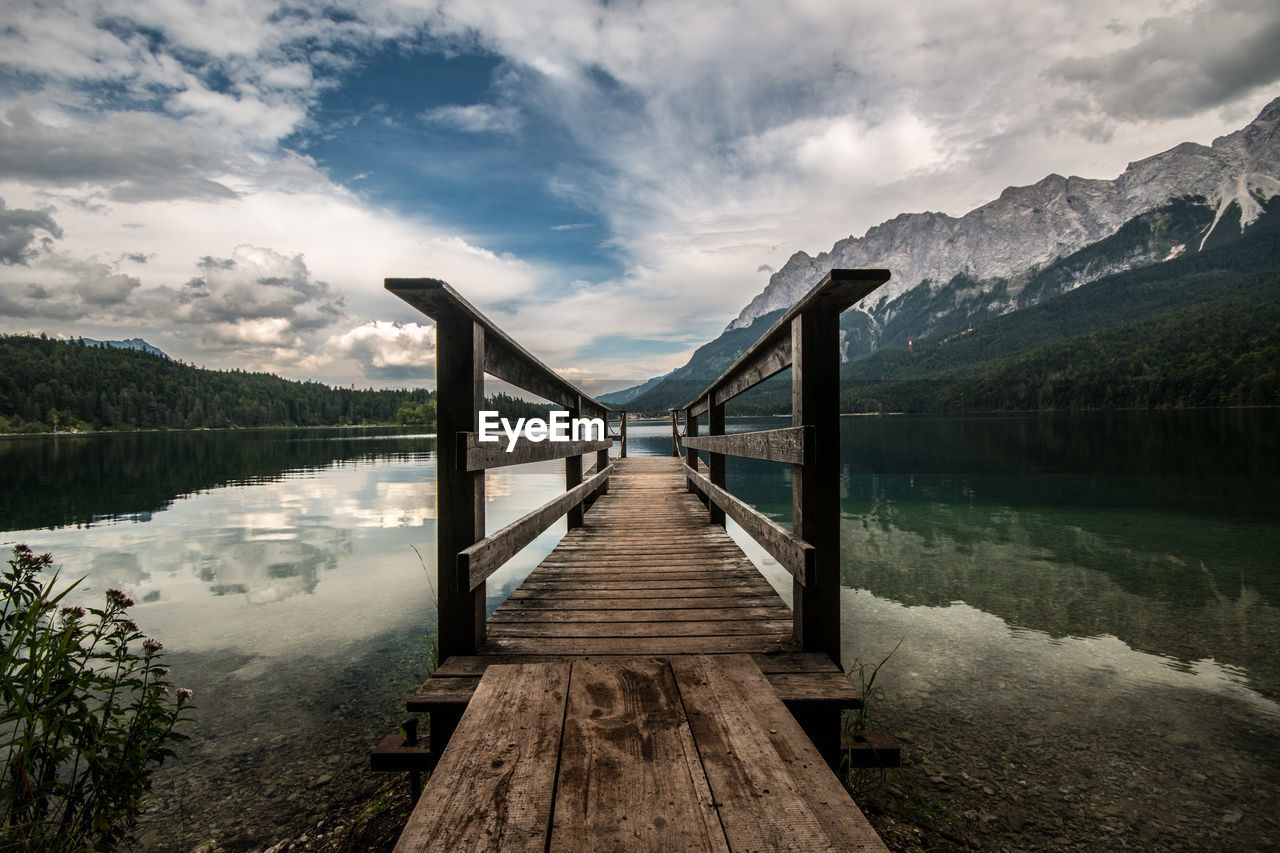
<point x="72" y="614"/>
<point x="152" y="646"/>
<point x="184" y="694"/>
<point x="119" y="599"/>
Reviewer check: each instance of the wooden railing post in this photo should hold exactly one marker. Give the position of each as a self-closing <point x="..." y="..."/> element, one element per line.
<point x="460" y="501"/>
<point x="602" y="456"/>
<point x="715" y="461"/>
<point x="675" y="433"/>
<point x="815" y="496"/>
<point x="573" y="470"/>
<point x="691" y="455"/>
<point x="623" y="453"/>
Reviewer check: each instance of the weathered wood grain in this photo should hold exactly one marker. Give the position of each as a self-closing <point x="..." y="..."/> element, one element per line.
<point x="773" y="789"/>
<point x="510" y="362"/>
<point x="660" y="629"/>
<point x="747" y="643"/>
<point x="625" y="780"/>
<point x="828" y="690"/>
<point x="493" y="787"/>
<point x="790" y="445"/>
<point x="795" y="662"/>
<point x="440" y="692"/>
<point x="644" y="560"/>
<point x="647" y="614"/>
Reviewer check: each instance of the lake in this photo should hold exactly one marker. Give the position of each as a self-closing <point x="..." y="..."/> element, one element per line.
<point x="1084" y="610"/>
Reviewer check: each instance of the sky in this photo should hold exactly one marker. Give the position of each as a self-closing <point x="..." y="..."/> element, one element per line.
<point x="611" y="182"/>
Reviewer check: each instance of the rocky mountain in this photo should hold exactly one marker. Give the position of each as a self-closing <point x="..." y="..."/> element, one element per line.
<point x="626" y="395"/>
<point x="131" y="343"/>
<point x="1027" y="227"/>
<point x="1030" y="245"/>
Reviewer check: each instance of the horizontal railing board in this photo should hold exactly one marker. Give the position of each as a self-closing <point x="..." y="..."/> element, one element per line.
<point x="482" y="559"/>
<point x="767" y="363"/>
<point x="795" y="554"/>
<point x="513" y="366"/>
<point x="504" y="358"/>
<point x="838" y="289"/>
<point x="481" y="455"/>
<point x="793" y="444"/>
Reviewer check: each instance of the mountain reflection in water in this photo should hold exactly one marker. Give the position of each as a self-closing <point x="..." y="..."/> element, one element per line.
<point x="1157" y="529"/>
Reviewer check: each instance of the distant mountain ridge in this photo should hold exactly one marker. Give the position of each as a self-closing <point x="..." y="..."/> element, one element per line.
<point x="1031" y="226"/>
<point x="1030" y="245"/>
<point x="626" y="395"/>
<point x="131" y="343"/>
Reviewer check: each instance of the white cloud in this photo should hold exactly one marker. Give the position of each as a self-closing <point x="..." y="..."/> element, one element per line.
<point x="723" y="137"/>
<point x="403" y="351"/>
<point x="252" y="286"/>
<point x="259" y="305"/>
<point x="475" y="118"/>
<point x="729" y="147"/>
<point x="268" y="332"/>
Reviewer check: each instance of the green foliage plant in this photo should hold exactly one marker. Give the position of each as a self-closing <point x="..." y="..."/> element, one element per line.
<point x="432" y="649"/>
<point x="861" y="720"/>
<point x="872" y="694"/>
<point x="86" y="714"/>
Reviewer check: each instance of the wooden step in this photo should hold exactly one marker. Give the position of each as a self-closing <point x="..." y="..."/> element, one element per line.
<point x="394" y="752"/>
<point x="803" y="681"/>
<point x="443" y="693"/>
<point x="872" y="748"/>
<point x="621" y="752"/>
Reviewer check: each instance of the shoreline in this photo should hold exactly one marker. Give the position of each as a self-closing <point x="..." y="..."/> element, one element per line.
<point x="666" y="419"/>
<point x="76" y="432"/>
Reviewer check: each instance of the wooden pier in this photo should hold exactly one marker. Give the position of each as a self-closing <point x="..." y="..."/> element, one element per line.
<point x="645" y="688"/>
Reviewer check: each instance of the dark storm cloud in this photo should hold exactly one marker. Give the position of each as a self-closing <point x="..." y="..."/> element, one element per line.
<point x="1184" y="64"/>
<point x="138" y="156"/>
<point x="18" y="231"/>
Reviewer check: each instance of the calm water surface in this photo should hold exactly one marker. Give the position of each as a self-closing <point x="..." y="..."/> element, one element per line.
<point x="1087" y="609"/>
<point x="279" y="569"/>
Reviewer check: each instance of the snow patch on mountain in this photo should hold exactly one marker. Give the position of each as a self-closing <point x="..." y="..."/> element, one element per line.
<point x="1250" y="191"/>
<point x="1029" y="227"/>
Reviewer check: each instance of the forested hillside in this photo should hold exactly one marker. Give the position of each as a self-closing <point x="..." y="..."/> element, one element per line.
<point x="1197" y="330"/>
<point x="52" y="384"/>
<point x="1223" y="352"/>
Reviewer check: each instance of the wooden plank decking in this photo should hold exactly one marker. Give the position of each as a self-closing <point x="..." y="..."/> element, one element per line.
<point x="630" y="696"/>
<point x="688" y="753"/>
<point x="647" y="573"/>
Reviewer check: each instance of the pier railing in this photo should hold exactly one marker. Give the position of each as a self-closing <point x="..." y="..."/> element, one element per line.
<point x="469" y="345"/>
<point x="807" y="340"/>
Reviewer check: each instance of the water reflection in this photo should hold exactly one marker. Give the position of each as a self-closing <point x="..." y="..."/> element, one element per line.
<point x="1021" y="741"/>
<point x="295" y="600"/>
<point x="1051" y="575"/>
<point x="89" y="479"/>
<point x="1007" y="568"/>
<point x="1154" y="529"/>
<point x="343" y="550"/>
